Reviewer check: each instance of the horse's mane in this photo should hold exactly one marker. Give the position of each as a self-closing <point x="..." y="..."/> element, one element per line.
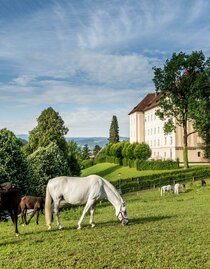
<point x="112" y="188"/>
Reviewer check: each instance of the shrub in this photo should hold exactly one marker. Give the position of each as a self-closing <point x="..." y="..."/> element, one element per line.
<point x="130" y="151"/>
<point x="142" y="151"/>
<point x="46" y="163"/>
<point x="87" y="163"/>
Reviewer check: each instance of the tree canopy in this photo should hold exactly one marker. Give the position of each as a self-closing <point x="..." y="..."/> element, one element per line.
<point x="50" y="128"/>
<point x="13" y="164"/>
<point x="184" y="86"/>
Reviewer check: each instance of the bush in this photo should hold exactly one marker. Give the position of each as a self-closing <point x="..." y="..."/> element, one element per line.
<point x="87" y="163"/>
<point x="101" y="156"/>
<point x="142" y="151"/>
<point x="46" y="163"/>
<point x="130" y="151"/>
<point x="156" y="165"/>
<point x="116" y="150"/>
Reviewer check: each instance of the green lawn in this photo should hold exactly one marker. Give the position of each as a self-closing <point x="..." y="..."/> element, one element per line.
<point x="164" y="232"/>
<point x="111" y="171"/>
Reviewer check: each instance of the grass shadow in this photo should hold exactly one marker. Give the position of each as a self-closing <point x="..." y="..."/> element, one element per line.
<point x="134" y="221"/>
<point x="108" y="170"/>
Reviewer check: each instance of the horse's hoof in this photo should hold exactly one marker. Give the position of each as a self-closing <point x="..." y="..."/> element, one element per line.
<point x="23" y="224"/>
<point x="93" y="225"/>
<point x="79" y="228"/>
<point x="17" y="234"/>
<point x="60" y="227"/>
<point x="49" y="227"/>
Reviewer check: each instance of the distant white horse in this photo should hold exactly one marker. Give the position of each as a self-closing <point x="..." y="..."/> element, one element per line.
<point x="177" y="187"/>
<point x="166" y="188"/>
<point x="82" y="190"/>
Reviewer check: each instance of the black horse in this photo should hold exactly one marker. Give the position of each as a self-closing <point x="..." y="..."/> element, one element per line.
<point x="9" y="201"/>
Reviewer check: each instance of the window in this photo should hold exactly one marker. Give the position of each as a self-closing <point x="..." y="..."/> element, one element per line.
<point x="171" y="140"/>
<point x="165" y="140"/>
<point x="154" y="130"/>
<point x="199" y="154"/>
<point x="158" y="142"/>
<point x="158" y="130"/>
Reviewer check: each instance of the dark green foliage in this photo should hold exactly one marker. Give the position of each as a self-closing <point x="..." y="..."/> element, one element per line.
<point x="116" y="150"/>
<point x="50" y="128"/>
<point x="74" y="157"/>
<point x="184" y="85"/>
<point x="86" y="152"/>
<point x="114" y="131"/>
<point x="156" y="165"/>
<point x="142" y="151"/>
<point x="130" y="151"/>
<point x="13" y="164"/>
<point x="46" y="163"/>
<point x="96" y="149"/>
<point x="126" y="144"/>
<point x="108" y="149"/>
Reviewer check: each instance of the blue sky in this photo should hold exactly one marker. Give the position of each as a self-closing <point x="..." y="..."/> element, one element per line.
<point x="89" y="60"/>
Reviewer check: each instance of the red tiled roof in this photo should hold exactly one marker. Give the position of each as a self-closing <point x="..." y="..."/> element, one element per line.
<point x="150" y="100"/>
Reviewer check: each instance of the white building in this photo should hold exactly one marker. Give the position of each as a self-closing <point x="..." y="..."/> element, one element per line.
<point x="146" y="127"/>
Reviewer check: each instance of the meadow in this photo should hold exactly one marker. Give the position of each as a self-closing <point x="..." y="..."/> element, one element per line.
<point x="163" y="232"/>
<point x="113" y="172"/>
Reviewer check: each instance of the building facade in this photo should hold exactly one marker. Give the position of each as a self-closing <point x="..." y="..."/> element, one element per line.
<point x="146" y="127"/>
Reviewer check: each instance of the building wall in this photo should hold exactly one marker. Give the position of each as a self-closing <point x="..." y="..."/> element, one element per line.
<point x="147" y="127"/>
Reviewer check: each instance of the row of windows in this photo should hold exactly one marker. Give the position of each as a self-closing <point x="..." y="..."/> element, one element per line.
<point x="150" y="117"/>
<point x="169" y="155"/>
<point x="156" y="142"/>
<point x="151" y="131"/>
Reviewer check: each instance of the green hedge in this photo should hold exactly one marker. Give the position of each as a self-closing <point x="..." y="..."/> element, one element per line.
<point x="156" y="165"/>
<point x="158" y="180"/>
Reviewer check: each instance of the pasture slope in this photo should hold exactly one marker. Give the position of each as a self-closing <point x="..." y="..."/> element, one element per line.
<point x="170" y="232"/>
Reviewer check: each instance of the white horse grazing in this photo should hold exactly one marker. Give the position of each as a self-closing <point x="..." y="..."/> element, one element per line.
<point x="82" y="190"/>
<point x="177" y="188"/>
<point x="166" y="188"/>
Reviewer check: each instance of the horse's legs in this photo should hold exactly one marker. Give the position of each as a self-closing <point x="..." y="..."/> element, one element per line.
<point x="37" y="216"/>
<point x="13" y="213"/>
<point x="88" y="205"/>
<point x="92" y="210"/>
<point x="56" y="211"/>
<point x="24" y="212"/>
<point x="34" y="212"/>
<point x="22" y="216"/>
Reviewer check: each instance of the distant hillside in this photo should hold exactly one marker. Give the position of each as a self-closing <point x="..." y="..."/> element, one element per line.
<point x="81" y="141"/>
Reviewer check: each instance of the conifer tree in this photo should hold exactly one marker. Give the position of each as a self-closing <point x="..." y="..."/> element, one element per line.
<point x="114" y="131"/>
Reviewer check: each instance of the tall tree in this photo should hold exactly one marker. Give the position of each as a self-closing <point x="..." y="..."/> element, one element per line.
<point x="184" y="84"/>
<point x="13" y="164"/>
<point x="50" y="128"/>
<point x="86" y="152"/>
<point x="114" y="131"/>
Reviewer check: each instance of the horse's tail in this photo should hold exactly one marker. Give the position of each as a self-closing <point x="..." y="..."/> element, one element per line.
<point x="48" y="207"/>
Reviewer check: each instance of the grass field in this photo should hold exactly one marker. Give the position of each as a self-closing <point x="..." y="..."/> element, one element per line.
<point x="111" y="171"/>
<point x="164" y="232"/>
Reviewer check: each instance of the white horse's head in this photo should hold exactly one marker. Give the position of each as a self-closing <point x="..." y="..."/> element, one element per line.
<point x="122" y="214"/>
